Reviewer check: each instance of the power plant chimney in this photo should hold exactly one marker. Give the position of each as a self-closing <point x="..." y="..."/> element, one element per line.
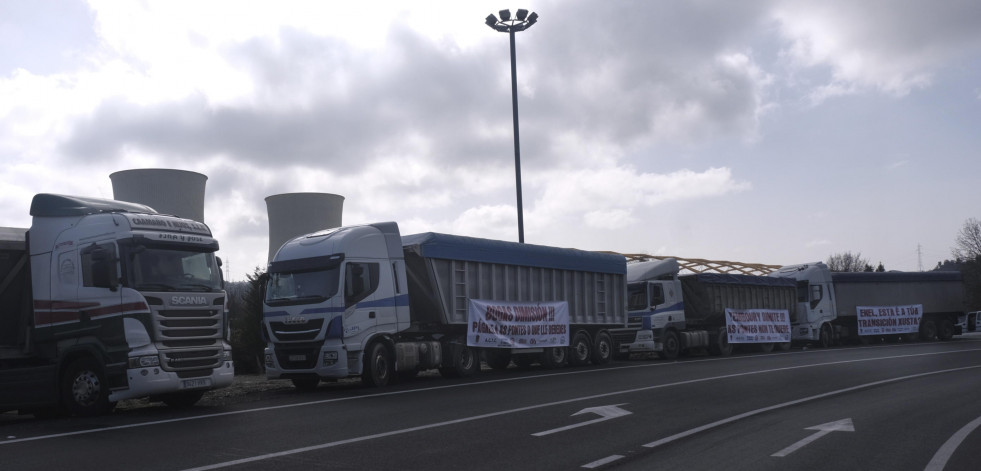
<point x="295" y="214"/>
<point x="169" y="191"/>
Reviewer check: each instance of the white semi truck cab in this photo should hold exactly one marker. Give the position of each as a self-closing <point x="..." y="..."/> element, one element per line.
<point x="107" y="300"/>
<point x="328" y="294"/>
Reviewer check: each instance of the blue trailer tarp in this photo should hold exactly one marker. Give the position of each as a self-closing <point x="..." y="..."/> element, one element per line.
<point x="454" y="247"/>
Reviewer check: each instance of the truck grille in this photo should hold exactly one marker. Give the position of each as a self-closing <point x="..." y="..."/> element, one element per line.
<point x="197" y="332"/>
<point x="297" y="332"/>
<point x="189" y="324"/>
<point x="191" y="360"/>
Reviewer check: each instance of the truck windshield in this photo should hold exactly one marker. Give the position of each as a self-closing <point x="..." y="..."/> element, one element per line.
<point x="637" y="297"/>
<point x="170" y="268"/>
<point x="302" y="287"/>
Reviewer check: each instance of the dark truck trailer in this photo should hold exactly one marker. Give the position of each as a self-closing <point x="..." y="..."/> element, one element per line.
<point x="941" y="293"/>
<point x="708" y="295"/>
<point x="445" y="271"/>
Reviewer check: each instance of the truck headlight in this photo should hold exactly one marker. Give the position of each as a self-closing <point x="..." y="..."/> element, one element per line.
<point x="269" y="360"/>
<point x="330" y="358"/>
<point x="144" y="361"/>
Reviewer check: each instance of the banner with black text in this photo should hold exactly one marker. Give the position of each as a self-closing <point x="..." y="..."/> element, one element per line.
<point x="758" y="325"/>
<point x="886" y="320"/>
<point x="517" y="325"/>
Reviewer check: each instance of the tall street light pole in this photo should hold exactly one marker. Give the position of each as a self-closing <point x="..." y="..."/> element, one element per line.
<point x="521" y="21"/>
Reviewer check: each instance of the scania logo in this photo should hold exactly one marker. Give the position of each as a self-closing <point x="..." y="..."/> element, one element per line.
<point x="294" y="320"/>
<point x="188" y="300"/>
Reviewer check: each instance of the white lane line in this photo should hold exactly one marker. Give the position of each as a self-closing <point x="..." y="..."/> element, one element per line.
<point x="480" y="383"/>
<point x="587" y="398"/>
<point x="604" y="461"/>
<point x="744" y="415"/>
<point x="939" y="460"/>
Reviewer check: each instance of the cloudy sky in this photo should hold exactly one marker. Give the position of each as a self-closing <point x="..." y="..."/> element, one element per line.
<point x="757" y="131"/>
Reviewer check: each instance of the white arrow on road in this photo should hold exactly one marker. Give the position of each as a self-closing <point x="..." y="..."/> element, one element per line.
<point x="604" y="413"/>
<point x="843" y="425"/>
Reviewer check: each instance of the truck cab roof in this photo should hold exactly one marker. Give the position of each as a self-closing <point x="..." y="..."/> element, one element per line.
<point x="51" y="205"/>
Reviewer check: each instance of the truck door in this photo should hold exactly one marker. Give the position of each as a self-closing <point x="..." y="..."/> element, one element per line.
<point x="99" y="295"/>
<point x="362" y="312"/>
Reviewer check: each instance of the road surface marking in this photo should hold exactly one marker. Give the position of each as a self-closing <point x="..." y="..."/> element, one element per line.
<point x="598" y="463"/>
<point x="604" y="412"/>
<point x="501" y="380"/>
<point x="751" y="413"/>
<point x="843" y="425"/>
<point x="579" y="399"/>
<point x="947" y="450"/>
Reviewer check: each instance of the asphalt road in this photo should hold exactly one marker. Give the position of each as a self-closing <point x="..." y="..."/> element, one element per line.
<point x="892" y="406"/>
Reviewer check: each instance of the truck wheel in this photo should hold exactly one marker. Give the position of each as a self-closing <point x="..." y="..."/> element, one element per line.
<point x="928" y="330"/>
<point x="555" y="357"/>
<point x="945" y="330"/>
<point x="464" y="362"/>
<point x="182" y="399"/>
<point x="602" y="349"/>
<point x="305" y="384"/>
<point x="721" y="346"/>
<point x="765" y="347"/>
<point x="825" y="340"/>
<point x="579" y="349"/>
<point x="783" y="346"/>
<point x="83" y="389"/>
<point x="378" y="366"/>
<point x="672" y="346"/>
<point x="497" y="358"/>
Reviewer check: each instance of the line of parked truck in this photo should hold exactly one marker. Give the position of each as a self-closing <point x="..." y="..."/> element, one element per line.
<point x="106" y="300"/>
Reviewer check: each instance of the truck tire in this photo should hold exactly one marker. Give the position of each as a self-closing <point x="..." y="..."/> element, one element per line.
<point x="783" y="346"/>
<point x="305" y="384"/>
<point x="721" y="346"/>
<point x="928" y="330"/>
<point x="182" y="399"/>
<point x="378" y="366"/>
<point x="602" y="349"/>
<point x="555" y="357"/>
<point x="497" y="358"/>
<point x="672" y="346"/>
<point x="464" y="362"/>
<point x="765" y="347"/>
<point x="825" y="339"/>
<point x="580" y="349"/>
<point x="945" y="329"/>
<point x="83" y="388"/>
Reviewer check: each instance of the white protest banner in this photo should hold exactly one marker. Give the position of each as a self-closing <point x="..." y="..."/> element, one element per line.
<point x="885" y="320"/>
<point x="758" y="325"/>
<point x="517" y="325"/>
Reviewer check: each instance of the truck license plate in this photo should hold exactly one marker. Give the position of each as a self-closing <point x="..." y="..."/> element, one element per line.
<point x="196" y="383"/>
<point x="298" y="358"/>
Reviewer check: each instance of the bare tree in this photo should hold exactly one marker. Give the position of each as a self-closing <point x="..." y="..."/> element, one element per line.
<point x="968" y="242"/>
<point x="847" y="261"/>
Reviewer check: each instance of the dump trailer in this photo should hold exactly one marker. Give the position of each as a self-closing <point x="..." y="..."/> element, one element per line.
<point x="364" y="301"/>
<point x="106" y="300"/>
<point x="672" y="313"/>
<point x="838" y="306"/>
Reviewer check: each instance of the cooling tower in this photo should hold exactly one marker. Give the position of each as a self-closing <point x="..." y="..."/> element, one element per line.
<point x="295" y="214"/>
<point x="176" y="192"/>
